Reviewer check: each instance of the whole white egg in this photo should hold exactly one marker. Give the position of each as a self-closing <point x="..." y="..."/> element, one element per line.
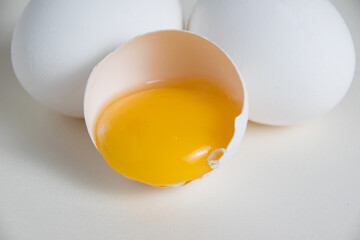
<point x="297" y="57"/>
<point x="57" y="43"/>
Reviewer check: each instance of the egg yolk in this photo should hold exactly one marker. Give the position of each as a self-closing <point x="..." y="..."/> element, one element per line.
<point x="164" y="136"/>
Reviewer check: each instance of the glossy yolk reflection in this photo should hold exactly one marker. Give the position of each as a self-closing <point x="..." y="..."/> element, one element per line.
<point x="163" y="136"/>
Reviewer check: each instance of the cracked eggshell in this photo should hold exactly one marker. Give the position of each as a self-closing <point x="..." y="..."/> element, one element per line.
<point x="297" y="57"/>
<point x="166" y="55"/>
<point x="57" y="43"/>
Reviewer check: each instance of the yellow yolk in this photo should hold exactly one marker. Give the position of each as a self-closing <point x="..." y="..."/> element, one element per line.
<point x="163" y="136"/>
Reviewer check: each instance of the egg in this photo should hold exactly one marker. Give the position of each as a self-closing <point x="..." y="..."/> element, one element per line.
<point x="297" y="57"/>
<point x="57" y="43"/>
<point x="166" y="108"/>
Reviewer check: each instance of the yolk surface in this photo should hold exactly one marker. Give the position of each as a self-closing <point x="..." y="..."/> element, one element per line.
<point x="163" y="136"/>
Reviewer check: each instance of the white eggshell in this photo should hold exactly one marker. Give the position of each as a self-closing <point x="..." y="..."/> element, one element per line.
<point x="166" y="55"/>
<point x="57" y="42"/>
<point x="297" y="57"/>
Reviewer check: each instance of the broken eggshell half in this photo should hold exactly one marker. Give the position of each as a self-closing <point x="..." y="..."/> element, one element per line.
<point x="169" y="54"/>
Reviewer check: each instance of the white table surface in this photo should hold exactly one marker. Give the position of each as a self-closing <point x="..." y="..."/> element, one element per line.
<point x="284" y="183"/>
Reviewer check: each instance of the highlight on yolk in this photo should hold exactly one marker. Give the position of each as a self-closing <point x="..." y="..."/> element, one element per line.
<point x="163" y="135"/>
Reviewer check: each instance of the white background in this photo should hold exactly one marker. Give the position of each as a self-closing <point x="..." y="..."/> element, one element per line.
<point x="284" y="183"/>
